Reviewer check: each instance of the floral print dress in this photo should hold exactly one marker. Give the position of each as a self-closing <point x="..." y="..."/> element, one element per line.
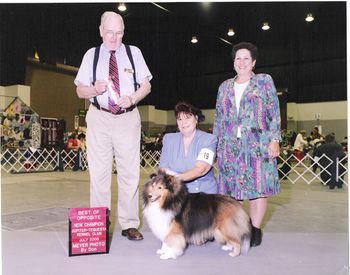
<point x="245" y="170"/>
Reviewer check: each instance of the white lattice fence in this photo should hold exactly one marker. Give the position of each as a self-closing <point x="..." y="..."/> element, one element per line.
<point x="40" y="160"/>
<point x="290" y="168"/>
<point x="150" y="161"/>
<point x="342" y="169"/>
<point x="309" y="169"/>
<point x="27" y="160"/>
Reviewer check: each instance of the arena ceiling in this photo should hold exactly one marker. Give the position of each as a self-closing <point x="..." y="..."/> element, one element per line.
<point x="307" y="60"/>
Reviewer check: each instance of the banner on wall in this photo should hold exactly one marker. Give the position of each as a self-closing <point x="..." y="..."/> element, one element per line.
<point x="17" y="122"/>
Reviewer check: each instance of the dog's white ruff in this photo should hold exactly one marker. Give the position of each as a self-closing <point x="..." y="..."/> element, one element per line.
<point x="158" y="219"/>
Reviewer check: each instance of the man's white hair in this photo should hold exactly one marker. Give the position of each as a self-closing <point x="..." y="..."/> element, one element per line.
<point x="108" y="14"/>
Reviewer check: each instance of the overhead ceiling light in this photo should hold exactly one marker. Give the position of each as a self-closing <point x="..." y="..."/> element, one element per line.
<point x="309" y="17"/>
<point x="230" y="32"/>
<point x="36" y="55"/>
<point x="194" y="40"/>
<point x="265" y="26"/>
<point x="206" y="4"/>
<point x="122" y="7"/>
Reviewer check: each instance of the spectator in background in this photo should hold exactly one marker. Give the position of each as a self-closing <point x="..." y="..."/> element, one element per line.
<point x="327" y="155"/>
<point x="315" y="137"/>
<point x="81" y="142"/>
<point x="315" y="133"/>
<point x="158" y="144"/>
<point x="299" y="145"/>
<point x="292" y="138"/>
<point x="73" y="143"/>
<point x="81" y="148"/>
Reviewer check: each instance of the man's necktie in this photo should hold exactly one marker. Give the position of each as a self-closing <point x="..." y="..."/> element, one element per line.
<point x="114" y="76"/>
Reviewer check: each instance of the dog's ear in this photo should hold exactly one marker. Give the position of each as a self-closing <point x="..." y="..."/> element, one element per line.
<point x="174" y="182"/>
<point x="161" y="172"/>
<point x="168" y="181"/>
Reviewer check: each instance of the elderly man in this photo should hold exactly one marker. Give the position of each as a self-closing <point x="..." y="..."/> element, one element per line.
<point x="114" y="82"/>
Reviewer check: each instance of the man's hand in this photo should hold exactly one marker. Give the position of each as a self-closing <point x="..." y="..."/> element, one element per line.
<point x="101" y="86"/>
<point x="125" y="102"/>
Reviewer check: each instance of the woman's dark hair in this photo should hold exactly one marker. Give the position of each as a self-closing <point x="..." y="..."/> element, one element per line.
<point x="189" y="109"/>
<point x="248" y="46"/>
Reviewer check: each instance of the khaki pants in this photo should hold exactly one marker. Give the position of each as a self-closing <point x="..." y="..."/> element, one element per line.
<point x="109" y="134"/>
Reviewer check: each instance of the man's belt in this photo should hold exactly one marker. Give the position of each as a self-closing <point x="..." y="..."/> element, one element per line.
<point x="121" y="110"/>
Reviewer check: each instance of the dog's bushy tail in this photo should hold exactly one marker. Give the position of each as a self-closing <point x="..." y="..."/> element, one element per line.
<point x="245" y="243"/>
<point x="244" y="229"/>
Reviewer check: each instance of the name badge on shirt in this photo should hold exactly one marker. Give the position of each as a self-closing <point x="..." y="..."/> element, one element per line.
<point x="206" y="155"/>
<point x="130" y="71"/>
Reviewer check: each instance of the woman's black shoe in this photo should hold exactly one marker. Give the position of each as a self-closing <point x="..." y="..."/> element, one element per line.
<point x="256" y="237"/>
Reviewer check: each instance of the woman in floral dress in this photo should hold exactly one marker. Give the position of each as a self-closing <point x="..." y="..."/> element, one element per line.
<point x="247" y="124"/>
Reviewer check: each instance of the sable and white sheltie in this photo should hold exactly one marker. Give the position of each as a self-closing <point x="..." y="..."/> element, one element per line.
<point x="179" y="218"/>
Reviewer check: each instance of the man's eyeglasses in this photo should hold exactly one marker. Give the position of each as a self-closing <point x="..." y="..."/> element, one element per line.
<point x="111" y="33"/>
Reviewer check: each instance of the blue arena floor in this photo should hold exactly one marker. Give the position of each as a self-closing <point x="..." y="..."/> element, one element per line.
<point x="305" y="232"/>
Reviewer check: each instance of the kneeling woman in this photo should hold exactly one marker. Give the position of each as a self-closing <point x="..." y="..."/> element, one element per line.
<point x="189" y="154"/>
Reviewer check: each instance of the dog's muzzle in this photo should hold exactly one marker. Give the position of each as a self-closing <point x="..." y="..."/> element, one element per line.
<point x="152" y="199"/>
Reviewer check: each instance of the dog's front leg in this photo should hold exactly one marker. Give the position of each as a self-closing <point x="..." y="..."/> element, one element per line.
<point x="171" y="250"/>
<point x="163" y="249"/>
<point x="169" y="253"/>
<point x="227" y="247"/>
<point x="166" y="252"/>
